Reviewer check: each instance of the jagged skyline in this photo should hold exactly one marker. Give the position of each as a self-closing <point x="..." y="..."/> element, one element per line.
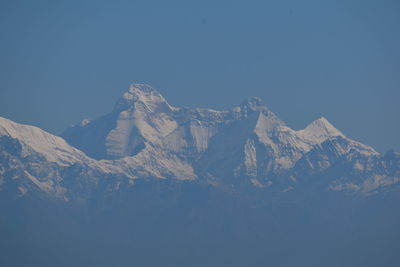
<point x="158" y="185"/>
<point x="199" y="133"/>
<point x="144" y="136"/>
<point x="306" y="60"/>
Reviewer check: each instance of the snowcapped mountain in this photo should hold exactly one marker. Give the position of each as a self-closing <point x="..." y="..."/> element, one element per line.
<point x="153" y="177"/>
<point x="248" y="144"/>
<point x="145" y="137"/>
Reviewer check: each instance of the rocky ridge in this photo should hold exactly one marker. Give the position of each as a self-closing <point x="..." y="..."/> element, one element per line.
<point x="145" y="137"/>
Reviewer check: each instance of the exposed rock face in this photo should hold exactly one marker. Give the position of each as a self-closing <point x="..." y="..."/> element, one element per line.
<point x="153" y="179"/>
<point x="248" y="144"/>
<point x="145" y="137"/>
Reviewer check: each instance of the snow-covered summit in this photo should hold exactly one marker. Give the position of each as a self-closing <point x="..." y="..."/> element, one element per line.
<point x="248" y="140"/>
<point x="53" y="148"/>
<point x="143" y="116"/>
<point x="319" y="130"/>
<point x="145" y="95"/>
<point x="144" y="136"/>
<point x="254" y="103"/>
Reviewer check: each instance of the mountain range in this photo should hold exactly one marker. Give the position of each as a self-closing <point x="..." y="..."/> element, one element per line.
<point x="235" y="182"/>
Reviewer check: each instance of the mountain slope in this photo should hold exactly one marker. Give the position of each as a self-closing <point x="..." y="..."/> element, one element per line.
<point x="145" y="137"/>
<point x="151" y="184"/>
<point x="247" y="145"/>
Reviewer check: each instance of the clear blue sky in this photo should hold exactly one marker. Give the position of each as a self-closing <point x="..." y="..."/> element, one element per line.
<point x="61" y="61"/>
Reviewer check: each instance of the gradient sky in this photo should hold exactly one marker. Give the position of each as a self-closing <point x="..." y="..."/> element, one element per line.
<point x="61" y="61"/>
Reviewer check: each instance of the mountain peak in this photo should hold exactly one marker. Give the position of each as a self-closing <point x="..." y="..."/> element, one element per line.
<point x="320" y="130"/>
<point x="323" y="123"/>
<point x="255" y="104"/>
<point x="142" y="93"/>
<point x="141" y="87"/>
<point x="53" y="148"/>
